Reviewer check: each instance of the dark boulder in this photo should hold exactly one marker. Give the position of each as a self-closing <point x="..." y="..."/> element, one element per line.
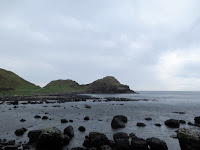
<point x="37" y="116"/>
<point x="64" y="121"/>
<point x="22" y="120"/>
<point x="123" y="118"/>
<point x="34" y="135"/>
<point x="190" y="123"/>
<point x="148" y="119"/>
<point x="156" y="144"/>
<point x="45" y="118"/>
<point x="120" y="135"/>
<point x="140" y="124"/>
<point x="97" y="140"/>
<point x="65" y="140"/>
<point x="81" y="129"/>
<point x="86" y="118"/>
<point x="197" y="120"/>
<point x="20" y="132"/>
<point x="15" y="102"/>
<point x="139" y="144"/>
<point x="122" y="144"/>
<point x="158" y="124"/>
<point x="189" y="139"/>
<point x="69" y="131"/>
<point x="50" y="139"/>
<point x="182" y="121"/>
<point x="117" y="123"/>
<point x="172" y="123"/>
<point x="87" y="106"/>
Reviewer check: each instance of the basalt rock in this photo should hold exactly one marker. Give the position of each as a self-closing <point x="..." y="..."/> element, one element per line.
<point x="172" y="123"/>
<point x="156" y="144"/>
<point x="189" y="139"/>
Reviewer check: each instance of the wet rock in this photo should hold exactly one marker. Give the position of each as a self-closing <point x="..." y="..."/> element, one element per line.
<point x="139" y="144"/>
<point x="122" y="144"/>
<point x="148" y="119"/>
<point x="123" y="118"/>
<point x="189" y="139"/>
<point x="22" y="120"/>
<point x="118" y="121"/>
<point x="15" y="102"/>
<point x="120" y="135"/>
<point x="182" y="121"/>
<point x="86" y="118"/>
<point x="97" y="139"/>
<point x="50" y="139"/>
<point x="37" y="116"/>
<point x="156" y="144"/>
<point x="71" y="121"/>
<point x="158" y="124"/>
<point x="65" y="140"/>
<point x="172" y="123"/>
<point x="64" y="121"/>
<point x="197" y="120"/>
<point x="69" y="131"/>
<point x="25" y="147"/>
<point x="140" y="124"/>
<point x="87" y="106"/>
<point x="34" y="135"/>
<point x="81" y="129"/>
<point x="45" y="118"/>
<point x="20" y="132"/>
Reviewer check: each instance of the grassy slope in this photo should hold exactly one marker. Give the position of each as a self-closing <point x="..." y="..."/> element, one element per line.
<point x="20" y="86"/>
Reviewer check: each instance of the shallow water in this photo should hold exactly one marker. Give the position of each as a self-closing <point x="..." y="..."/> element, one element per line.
<point x="166" y="103"/>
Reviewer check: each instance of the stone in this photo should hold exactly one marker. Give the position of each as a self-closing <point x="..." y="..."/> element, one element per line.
<point x="139" y="144"/>
<point x="81" y="129"/>
<point x="50" y="139"/>
<point x="197" y="120"/>
<point x="189" y="139"/>
<point x="140" y="124"/>
<point x="172" y="123"/>
<point x="20" y="132"/>
<point x="69" y="131"/>
<point x="156" y="144"/>
<point x="34" y="135"/>
<point x="64" y="121"/>
<point x="120" y="135"/>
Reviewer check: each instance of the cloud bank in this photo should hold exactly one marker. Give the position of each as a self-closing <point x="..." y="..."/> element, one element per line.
<point x="149" y="45"/>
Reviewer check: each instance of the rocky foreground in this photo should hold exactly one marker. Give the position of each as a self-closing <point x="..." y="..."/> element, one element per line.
<point x="54" y="138"/>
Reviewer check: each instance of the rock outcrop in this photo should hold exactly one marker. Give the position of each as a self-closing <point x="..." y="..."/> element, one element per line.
<point x="189" y="139"/>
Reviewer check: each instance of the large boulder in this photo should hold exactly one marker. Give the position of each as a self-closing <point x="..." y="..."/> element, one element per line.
<point x="172" y="123"/>
<point x="118" y="121"/>
<point x="96" y="140"/>
<point x="120" y="135"/>
<point x="189" y="139"/>
<point x="69" y="131"/>
<point x="139" y="144"/>
<point x="50" y="139"/>
<point x="34" y="135"/>
<point x="197" y="120"/>
<point x="122" y="144"/>
<point x="20" y="132"/>
<point x="156" y="144"/>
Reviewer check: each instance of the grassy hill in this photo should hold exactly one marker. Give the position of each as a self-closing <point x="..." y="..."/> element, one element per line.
<point x="63" y="86"/>
<point x="10" y="83"/>
<point x="106" y="85"/>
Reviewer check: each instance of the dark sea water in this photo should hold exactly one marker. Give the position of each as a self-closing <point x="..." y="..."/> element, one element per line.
<point x="160" y="107"/>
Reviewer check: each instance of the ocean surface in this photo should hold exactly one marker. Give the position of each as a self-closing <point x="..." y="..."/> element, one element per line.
<point x="160" y="106"/>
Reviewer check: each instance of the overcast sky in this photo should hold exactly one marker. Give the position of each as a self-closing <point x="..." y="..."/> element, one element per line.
<point x="147" y="44"/>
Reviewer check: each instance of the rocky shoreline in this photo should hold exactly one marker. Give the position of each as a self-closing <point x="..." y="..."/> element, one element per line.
<point x="55" y="138"/>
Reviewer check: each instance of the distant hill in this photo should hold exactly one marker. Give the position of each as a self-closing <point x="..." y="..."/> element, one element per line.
<point x="9" y="81"/>
<point x="12" y="84"/>
<point x="106" y="85"/>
